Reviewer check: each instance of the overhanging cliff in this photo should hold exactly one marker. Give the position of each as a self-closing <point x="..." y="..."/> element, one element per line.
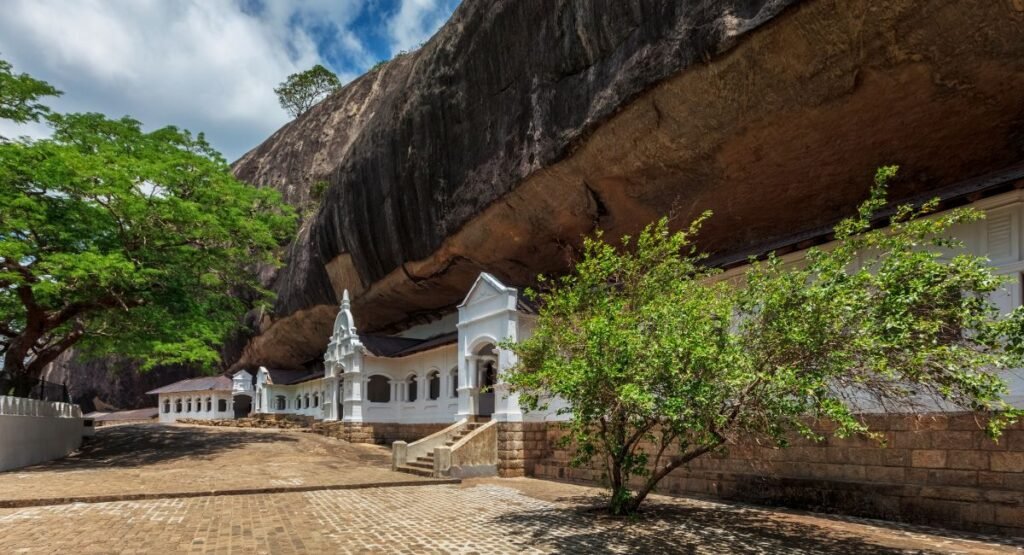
<point x="525" y="124"/>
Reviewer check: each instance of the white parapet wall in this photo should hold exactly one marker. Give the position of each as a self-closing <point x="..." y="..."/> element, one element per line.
<point x="33" y="431"/>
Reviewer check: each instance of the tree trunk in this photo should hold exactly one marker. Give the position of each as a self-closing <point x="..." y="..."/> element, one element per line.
<point x="658" y="474"/>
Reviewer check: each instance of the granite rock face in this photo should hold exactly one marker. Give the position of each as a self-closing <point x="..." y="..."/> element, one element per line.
<point x="522" y="125"/>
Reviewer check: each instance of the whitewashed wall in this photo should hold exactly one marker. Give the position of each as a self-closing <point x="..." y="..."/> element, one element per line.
<point x="399" y="371"/>
<point x="306" y="399"/>
<point x="168" y="406"/>
<point x="33" y="431"/>
<point x="1000" y="238"/>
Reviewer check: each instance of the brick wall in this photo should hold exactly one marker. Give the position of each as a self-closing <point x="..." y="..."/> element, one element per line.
<point x="379" y="433"/>
<point x="936" y="469"/>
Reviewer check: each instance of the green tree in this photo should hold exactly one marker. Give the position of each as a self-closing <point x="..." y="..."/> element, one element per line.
<point x="19" y="95"/>
<point x="660" y="360"/>
<point x="121" y="241"/>
<point x="303" y="90"/>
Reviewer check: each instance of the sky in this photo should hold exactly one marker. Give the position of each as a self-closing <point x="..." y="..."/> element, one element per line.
<point x="203" y="65"/>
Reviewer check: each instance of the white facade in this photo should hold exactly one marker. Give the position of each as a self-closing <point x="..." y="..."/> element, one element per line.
<point x="1000" y="238"/>
<point x="34" y="431"/>
<point x="195" y="405"/>
<point x="441" y="381"/>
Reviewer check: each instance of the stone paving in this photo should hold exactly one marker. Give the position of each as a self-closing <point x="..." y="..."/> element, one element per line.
<point x="153" y="458"/>
<point x="486" y="517"/>
<point x="478" y="516"/>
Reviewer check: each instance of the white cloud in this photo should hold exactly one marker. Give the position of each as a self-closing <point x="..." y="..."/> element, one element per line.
<point x="415" y="21"/>
<point x="207" y="65"/>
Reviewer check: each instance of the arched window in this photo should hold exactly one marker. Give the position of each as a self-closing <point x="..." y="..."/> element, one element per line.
<point x="222" y="405"/>
<point x="410" y="388"/>
<point x="433" y="385"/>
<point x="188" y="405"/>
<point x="316" y="400"/>
<point x="281" y="403"/>
<point x="177" y="405"/>
<point x="307" y="400"/>
<point x="167" y="406"/>
<point x="209" y="404"/>
<point x="378" y="389"/>
<point x="298" y="401"/>
<point x="455" y="382"/>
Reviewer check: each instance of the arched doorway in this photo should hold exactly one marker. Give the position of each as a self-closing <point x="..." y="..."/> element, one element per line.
<point x="242" y="405"/>
<point x="486" y="378"/>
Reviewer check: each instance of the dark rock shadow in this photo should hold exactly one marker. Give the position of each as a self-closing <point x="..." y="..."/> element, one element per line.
<point x="141" y="445"/>
<point x="668" y="528"/>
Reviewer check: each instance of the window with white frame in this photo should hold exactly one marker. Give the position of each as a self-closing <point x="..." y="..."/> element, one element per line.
<point x="434" y="385"/>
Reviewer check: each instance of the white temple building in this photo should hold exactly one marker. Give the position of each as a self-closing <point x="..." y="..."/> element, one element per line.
<point x="442" y="378"/>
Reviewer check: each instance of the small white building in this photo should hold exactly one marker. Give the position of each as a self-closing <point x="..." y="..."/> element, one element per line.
<point x="208" y="398"/>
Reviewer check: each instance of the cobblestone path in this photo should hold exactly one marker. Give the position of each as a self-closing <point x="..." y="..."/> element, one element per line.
<point x="488" y="517"/>
<point x="478" y="516"/>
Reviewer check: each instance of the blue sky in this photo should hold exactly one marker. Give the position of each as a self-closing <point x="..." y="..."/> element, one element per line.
<point x="205" y="65"/>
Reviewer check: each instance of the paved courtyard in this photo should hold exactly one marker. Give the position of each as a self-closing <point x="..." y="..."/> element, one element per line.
<point x="477" y="516"/>
<point x="153" y="458"/>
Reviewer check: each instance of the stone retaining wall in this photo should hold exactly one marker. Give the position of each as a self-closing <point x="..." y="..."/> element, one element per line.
<point x="286" y="421"/>
<point x="937" y="469"/>
<point x="521" y="445"/>
<point x="375" y="432"/>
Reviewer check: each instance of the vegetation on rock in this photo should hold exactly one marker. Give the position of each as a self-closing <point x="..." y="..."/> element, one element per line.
<point x="122" y="241"/>
<point x="303" y="90"/>
<point x="660" y="360"/>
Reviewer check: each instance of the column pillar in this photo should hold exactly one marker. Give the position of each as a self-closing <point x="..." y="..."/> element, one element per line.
<point x="353" y="399"/>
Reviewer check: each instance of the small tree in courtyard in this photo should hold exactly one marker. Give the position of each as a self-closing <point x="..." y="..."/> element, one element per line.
<point x="303" y="90"/>
<point x="121" y="241"/>
<point x="660" y="361"/>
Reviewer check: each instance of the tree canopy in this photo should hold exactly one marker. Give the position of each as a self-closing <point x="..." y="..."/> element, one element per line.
<point x="661" y="360"/>
<point x="20" y="93"/>
<point x="123" y="241"/>
<point x="303" y="90"/>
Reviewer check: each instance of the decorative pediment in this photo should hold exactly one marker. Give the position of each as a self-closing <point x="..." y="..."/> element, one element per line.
<point x="485" y="287"/>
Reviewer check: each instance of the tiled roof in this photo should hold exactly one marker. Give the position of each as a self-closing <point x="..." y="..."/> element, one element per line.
<point x="211" y="383"/>
<point x="427" y="344"/>
<point x="387" y="345"/>
<point x="290" y="377"/>
<point x="395" y="347"/>
<point x="137" y="414"/>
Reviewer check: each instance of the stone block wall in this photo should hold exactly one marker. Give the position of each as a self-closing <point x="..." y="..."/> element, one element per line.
<point x="935" y="469"/>
<point x="520" y="446"/>
<point x="378" y="433"/>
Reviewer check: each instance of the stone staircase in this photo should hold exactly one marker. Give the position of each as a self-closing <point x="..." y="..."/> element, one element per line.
<point x="424" y="465"/>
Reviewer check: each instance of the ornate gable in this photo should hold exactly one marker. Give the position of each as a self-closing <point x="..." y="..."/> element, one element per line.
<point x="485" y="287"/>
<point x="344" y="340"/>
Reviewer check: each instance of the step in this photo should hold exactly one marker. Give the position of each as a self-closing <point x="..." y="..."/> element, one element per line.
<point x="428" y="459"/>
<point x="419" y="464"/>
<point x="416" y="471"/>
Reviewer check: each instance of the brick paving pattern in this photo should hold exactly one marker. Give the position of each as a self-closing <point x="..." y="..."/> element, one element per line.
<point x="482" y="518"/>
<point x="153" y="458"/>
<point x="519" y="515"/>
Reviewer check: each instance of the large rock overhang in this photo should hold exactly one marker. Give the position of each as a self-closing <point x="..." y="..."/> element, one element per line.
<point x="777" y="134"/>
